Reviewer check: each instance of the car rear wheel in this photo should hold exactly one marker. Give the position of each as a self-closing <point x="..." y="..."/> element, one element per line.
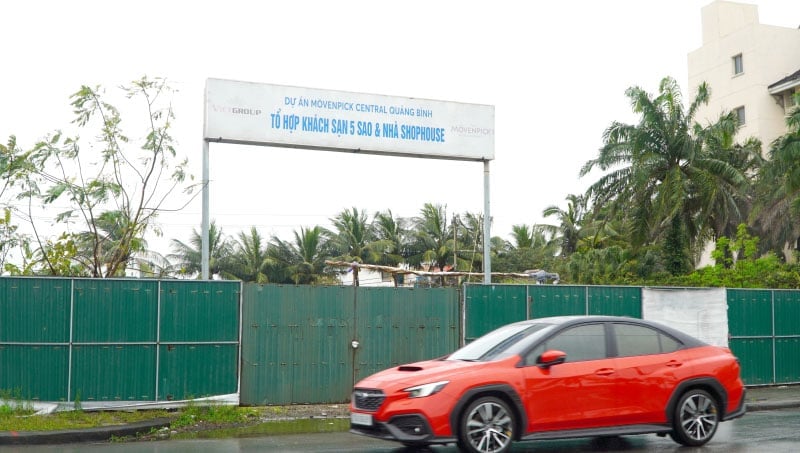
<point x="696" y="418"/>
<point x="487" y="426"/>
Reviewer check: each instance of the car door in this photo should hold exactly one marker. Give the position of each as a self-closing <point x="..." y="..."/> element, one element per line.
<point x="577" y="393"/>
<point x="649" y="365"/>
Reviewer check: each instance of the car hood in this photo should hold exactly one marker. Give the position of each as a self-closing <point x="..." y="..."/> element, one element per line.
<point x="421" y="373"/>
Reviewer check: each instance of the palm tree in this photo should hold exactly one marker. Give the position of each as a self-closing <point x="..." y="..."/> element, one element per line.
<point x="665" y="174"/>
<point x="469" y="241"/>
<point x="568" y="229"/>
<point x="522" y="237"/>
<point x="391" y="239"/>
<point x="250" y="260"/>
<point x="354" y="239"/>
<point x="188" y="256"/>
<point x="777" y="215"/>
<point x="431" y="241"/>
<point x="303" y="260"/>
<point x="106" y="250"/>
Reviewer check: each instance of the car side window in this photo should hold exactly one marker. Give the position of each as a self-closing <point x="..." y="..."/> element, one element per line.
<point x="641" y="340"/>
<point x="587" y="342"/>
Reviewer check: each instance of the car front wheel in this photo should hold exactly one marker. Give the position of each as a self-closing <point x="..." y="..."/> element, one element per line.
<point x="696" y="418"/>
<point x="487" y="426"/>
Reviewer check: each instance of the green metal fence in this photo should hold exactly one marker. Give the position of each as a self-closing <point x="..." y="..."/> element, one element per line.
<point x="298" y="341"/>
<point x="764" y="328"/>
<point x="490" y="306"/>
<point x="763" y="325"/>
<point x="118" y="339"/>
<point x="148" y="340"/>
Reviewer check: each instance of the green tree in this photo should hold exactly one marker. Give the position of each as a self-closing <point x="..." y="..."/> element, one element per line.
<point x="391" y="235"/>
<point x="188" y="256"/>
<point x="777" y="215"/>
<point x="113" y="194"/>
<point x="354" y="240"/>
<point x="468" y="242"/>
<point x="431" y="243"/>
<point x="568" y="230"/>
<point x="664" y="175"/>
<point x="302" y="261"/>
<point x="250" y="260"/>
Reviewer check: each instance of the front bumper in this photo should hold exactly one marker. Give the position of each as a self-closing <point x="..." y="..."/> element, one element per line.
<point x="407" y="428"/>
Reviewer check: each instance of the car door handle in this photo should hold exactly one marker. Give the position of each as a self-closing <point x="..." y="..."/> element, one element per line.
<point x="604" y="371"/>
<point x="674" y="364"/>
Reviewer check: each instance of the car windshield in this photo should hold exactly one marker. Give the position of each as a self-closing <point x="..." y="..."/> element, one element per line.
<point x="500" y="343"/>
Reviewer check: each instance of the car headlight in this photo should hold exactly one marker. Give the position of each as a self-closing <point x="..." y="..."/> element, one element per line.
<point x="421" y="391"/>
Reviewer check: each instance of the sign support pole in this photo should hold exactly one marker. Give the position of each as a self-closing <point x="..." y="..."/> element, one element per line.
<point x="487" y="221"/>
<point x="204" y="239"/>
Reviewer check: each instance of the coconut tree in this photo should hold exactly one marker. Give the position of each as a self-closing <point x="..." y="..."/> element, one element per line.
<point x="391" y="239"/>
<point x="188" y="256"/>
<point x="353" y="240"/>
<point x="431" y="243"/>
<point x="569" y="220"/>
<point x="777" y="215"/>
<point x="663" y="175"/>
<point x="250" y="260"/>
<point x="302" y="261"/>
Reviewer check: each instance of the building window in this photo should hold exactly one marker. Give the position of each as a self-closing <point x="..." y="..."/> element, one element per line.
<point x="738" y="67"/>
<point x="740" y="118"/>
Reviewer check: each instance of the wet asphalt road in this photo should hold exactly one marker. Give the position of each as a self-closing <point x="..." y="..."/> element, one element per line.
<point x="768" y="431"/>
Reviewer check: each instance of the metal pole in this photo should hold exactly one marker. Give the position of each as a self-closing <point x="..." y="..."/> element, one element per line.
<point x="487" y="221"/>
<point x="204" y="240"/>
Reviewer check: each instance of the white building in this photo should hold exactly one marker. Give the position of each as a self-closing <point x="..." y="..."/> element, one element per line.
<point x="751" y="68"/>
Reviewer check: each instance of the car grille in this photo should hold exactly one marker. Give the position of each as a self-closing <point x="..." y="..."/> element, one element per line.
<point x="368" y="399"/>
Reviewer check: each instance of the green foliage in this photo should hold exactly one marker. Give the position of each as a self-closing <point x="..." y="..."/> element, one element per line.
<point x="110" y="190"/>
<point x="213" y="413"/>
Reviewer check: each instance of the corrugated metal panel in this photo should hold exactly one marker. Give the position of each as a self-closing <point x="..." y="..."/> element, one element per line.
<point x="749" y="312"/>
<point x="787" y="359"/>
<point x="755" y="357"/>
<point x="113" y="373"/>
<point x="36" y="373"/>
<point x="34" y="310"/>
<point x="199" y="311"/>
<point x="615" y="301"/>
<point x="296" y="340"/>
<point x="787" y="314"/>
<point x="556" y="300"/>
<point x="296" y="344"/>
<point x="404" y="325"/>
<point x="113" y="311"/>
<point x="488" y="307"/>
<point x="319" y="354"/>
<point x="197" y="370"/>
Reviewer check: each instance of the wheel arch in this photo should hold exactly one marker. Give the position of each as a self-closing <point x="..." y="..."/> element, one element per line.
<point x="503" y="391"/>
<point x="709" y="384"/>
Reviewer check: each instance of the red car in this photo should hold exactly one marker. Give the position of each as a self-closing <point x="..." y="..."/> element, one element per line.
<point x="554" y="378"/>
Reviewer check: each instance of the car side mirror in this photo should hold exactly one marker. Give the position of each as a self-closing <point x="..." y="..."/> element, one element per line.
<point x="551" y="357"/>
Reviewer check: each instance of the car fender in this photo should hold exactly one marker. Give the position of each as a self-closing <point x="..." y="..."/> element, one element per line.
<point x="717" y="390"/>
<point x="503" y="390"/>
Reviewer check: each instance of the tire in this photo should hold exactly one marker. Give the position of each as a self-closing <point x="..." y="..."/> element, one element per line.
<point x="486" y="426"/>
<point x="695" y="419"/>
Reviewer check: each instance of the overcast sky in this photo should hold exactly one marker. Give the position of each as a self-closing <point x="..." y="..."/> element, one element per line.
<point x="555" y="71"/>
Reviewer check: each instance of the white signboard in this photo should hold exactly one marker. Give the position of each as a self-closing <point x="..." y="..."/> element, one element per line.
<point x="286" y="116"/>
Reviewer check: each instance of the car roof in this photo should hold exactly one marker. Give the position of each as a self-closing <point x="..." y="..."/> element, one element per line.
<point x="566" y="321"/>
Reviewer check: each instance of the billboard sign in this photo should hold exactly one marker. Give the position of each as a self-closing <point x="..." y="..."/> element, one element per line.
<point x="295" y="117"/>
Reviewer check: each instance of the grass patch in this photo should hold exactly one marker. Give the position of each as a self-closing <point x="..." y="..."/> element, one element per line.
<point x="271" y="428"/>
<point x="76" y="420"/>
